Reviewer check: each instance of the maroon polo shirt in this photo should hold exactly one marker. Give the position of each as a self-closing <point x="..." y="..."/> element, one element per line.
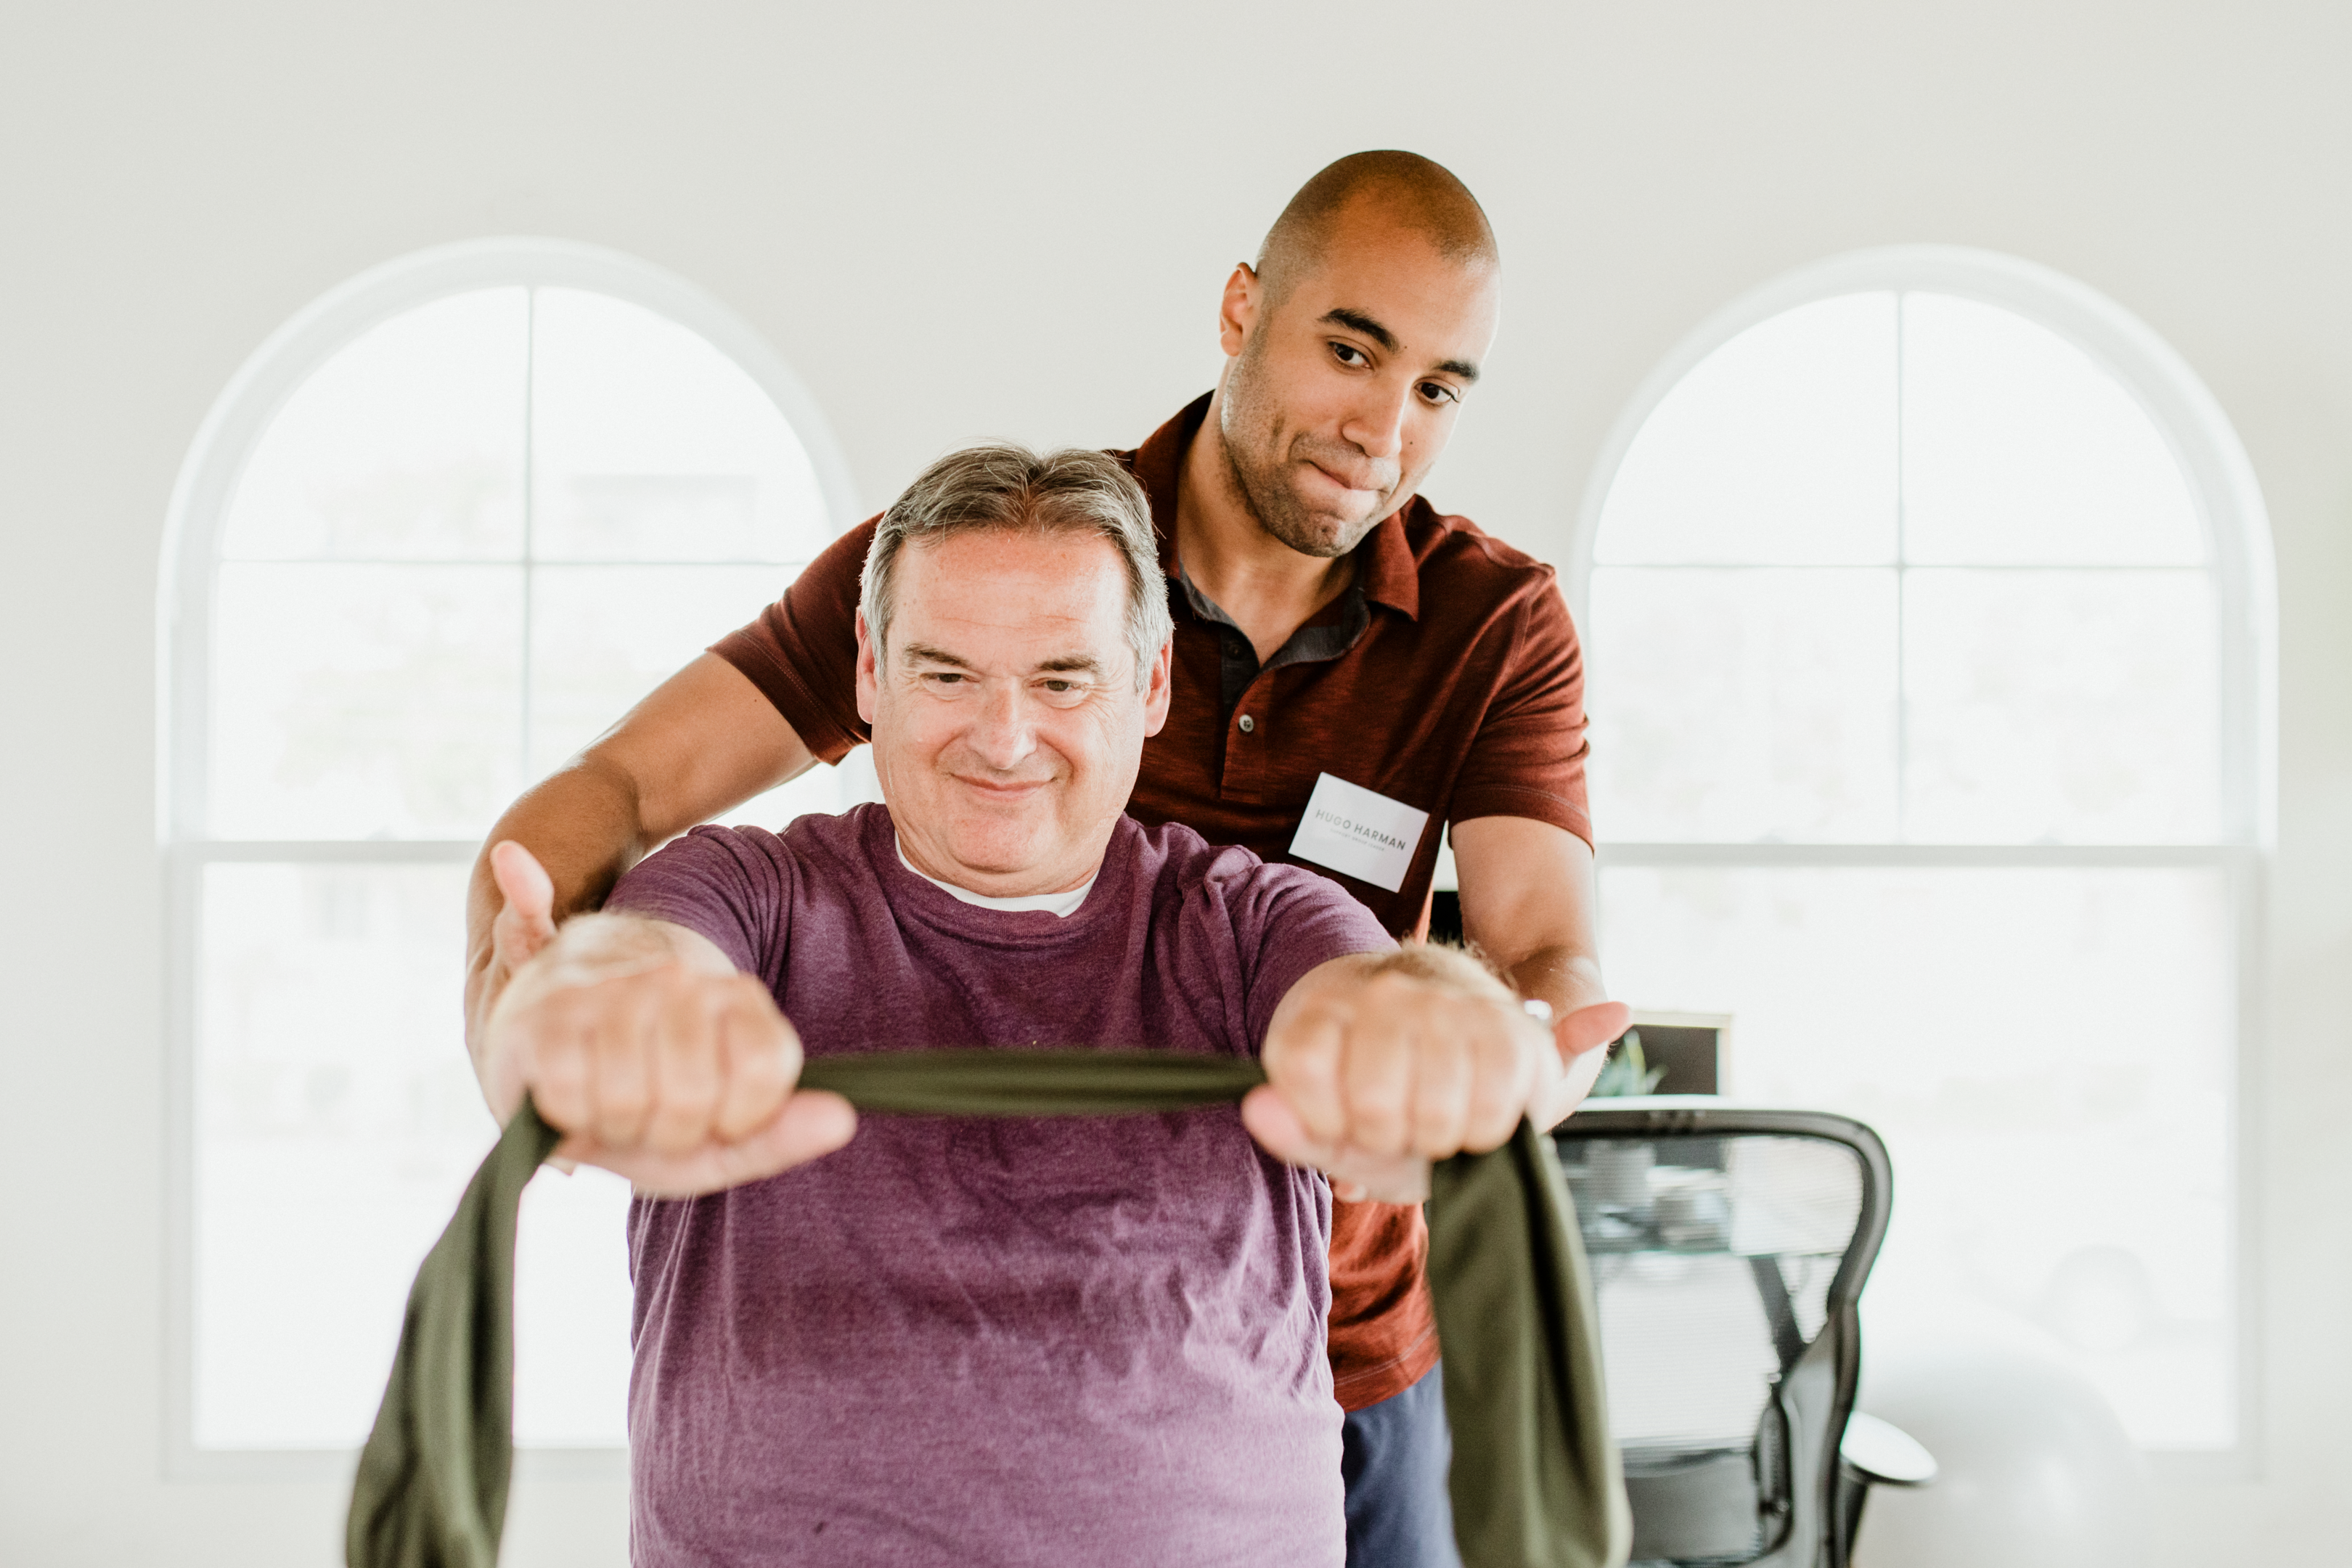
<point x="1447" y="677"/>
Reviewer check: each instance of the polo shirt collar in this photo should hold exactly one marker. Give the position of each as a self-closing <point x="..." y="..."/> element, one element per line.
<point x="1385" y="569"/>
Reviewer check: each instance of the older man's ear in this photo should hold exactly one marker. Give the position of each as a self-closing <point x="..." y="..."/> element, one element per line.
<point x="1158" y="688"/>
<point x="869" y="673"/>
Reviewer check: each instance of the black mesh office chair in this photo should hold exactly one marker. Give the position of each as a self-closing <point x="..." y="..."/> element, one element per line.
<point x="1729" y="1249"/>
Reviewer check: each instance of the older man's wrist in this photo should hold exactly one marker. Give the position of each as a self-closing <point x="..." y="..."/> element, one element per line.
<point x="1448" y="968"/>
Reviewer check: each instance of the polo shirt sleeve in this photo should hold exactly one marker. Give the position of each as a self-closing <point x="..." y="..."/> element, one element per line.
<point x="802" y="652"/>
<point x="730" y="884"/>
<point x="1527" y="759"/>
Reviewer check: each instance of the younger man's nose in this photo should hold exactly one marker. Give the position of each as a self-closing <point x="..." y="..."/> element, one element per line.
<point x="1376" y="427"/>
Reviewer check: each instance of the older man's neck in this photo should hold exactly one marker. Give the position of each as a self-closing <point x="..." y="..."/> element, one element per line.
<point x="1269" y="589"/>
<point x="1063" y="900"/>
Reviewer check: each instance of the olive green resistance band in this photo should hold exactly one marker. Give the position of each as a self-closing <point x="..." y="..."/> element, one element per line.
<point x="1535" y="1481"/>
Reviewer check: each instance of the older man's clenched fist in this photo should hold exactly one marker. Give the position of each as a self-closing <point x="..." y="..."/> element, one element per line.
<point x="1378" y="1065"/>
<point x="639" y="1042"/>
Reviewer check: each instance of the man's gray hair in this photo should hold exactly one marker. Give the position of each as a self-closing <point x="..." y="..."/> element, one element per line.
<point x="1015" y="490"/>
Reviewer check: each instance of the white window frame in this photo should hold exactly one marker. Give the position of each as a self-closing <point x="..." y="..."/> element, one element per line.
<point x="207" y="482"/>
<point x="2237" y="530"/>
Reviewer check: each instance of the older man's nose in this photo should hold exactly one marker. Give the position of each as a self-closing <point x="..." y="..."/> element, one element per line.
<point x="1004" y="733"/>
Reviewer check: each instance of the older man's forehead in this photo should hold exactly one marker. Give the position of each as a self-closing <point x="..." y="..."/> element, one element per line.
<point x="1036" y="606"/>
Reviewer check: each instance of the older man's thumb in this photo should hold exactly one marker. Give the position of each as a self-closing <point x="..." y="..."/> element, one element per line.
<point x="527" y="924"/>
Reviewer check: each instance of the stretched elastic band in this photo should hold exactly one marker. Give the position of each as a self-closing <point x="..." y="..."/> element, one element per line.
<point x="1534" y="1480"/>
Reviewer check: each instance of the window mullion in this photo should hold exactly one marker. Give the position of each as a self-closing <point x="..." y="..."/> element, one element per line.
<point x="1901" y="594"/>
<point x="1793" y="856"/>
<point x="529" y="516"/>
<point x="326" y="851"/>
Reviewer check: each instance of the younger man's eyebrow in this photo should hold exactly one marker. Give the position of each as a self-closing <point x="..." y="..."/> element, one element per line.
<point x="1357" y="322"/>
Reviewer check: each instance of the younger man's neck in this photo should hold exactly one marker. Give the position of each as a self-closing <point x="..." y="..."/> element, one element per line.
<point x="1269" y="589"/>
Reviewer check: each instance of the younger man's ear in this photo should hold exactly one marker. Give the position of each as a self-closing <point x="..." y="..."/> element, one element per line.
<point x="1237" y="311"/>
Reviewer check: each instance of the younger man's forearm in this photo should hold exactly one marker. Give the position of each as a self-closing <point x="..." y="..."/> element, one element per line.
<point x="1565" y="980"/>
<point x="583" y="824"/>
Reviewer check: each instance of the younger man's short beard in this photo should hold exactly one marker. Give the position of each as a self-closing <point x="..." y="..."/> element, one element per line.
<point x="1269" y="499"/>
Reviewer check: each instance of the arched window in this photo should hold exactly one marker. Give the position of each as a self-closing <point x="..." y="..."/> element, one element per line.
<point x="1928" y="617"/>
<point x="442" y="529"/>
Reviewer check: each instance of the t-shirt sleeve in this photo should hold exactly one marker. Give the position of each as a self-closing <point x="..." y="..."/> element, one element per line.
<point x="802" y="652"/>
<point x="727" y="884"/>
<point x="1528" y="758"/>
<point x="1288" y="923"/>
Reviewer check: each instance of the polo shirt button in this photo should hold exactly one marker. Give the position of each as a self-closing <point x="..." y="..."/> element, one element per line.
<point x="1248" y="723"/>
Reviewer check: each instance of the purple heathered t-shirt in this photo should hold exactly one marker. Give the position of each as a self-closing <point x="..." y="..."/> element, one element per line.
<point x="994" y="1340"/>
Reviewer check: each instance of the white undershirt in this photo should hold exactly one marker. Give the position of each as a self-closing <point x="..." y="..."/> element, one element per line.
<point x="1059" y="905"/>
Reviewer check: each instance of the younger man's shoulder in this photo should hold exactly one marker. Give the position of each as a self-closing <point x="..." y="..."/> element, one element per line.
<point x="1451" y="552"/>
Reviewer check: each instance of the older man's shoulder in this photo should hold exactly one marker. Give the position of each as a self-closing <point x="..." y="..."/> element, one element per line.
<point x="1181" y="861"/>
<point x="815" y="839"/>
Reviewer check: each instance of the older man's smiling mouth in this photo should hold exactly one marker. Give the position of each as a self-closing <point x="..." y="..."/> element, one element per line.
<point x="1004" y="789"/>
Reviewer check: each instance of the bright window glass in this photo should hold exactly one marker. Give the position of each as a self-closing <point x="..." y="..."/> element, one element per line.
<point x="1796" y="418"/>
<point x="1745" y="704"/>
<point x="1896" y="570"/>
<point x="465" y="544"/>
<point x="1745" y="692"/>
<point x="2042" y="1050"/>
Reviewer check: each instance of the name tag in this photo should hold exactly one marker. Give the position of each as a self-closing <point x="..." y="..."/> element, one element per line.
<point x="1350" y="829"/>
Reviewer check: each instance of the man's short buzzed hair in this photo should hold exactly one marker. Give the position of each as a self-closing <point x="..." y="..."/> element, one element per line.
<point x="1417" y="193"/>
<point x="1010" y="489"/>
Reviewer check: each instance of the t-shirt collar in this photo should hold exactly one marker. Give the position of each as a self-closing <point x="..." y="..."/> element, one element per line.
<point x="1385" y="569"/>
<point x="1060" y="905"/>
<point x="913" y="896"/>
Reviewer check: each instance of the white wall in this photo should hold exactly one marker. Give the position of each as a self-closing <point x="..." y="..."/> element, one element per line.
<point x="1013" y="219"/>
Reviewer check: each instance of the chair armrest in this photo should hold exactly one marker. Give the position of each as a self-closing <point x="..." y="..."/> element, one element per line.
<point x="1884" y="1453"/>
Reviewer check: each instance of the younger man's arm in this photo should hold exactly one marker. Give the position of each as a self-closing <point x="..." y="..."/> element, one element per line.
<point x="1527" y="904"/>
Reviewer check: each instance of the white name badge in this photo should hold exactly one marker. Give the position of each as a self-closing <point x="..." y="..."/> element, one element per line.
<point x="1350" y="829"/>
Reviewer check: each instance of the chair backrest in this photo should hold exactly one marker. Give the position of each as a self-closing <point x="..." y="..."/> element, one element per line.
<point x="1728" y="1247"/>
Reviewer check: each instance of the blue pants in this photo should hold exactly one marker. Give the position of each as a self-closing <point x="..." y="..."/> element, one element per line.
<point x="1392" y="1458"/>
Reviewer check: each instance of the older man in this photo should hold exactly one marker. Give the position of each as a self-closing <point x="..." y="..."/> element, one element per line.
<point x="926" y="1340"/>
<point x="1355" y="673"/>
